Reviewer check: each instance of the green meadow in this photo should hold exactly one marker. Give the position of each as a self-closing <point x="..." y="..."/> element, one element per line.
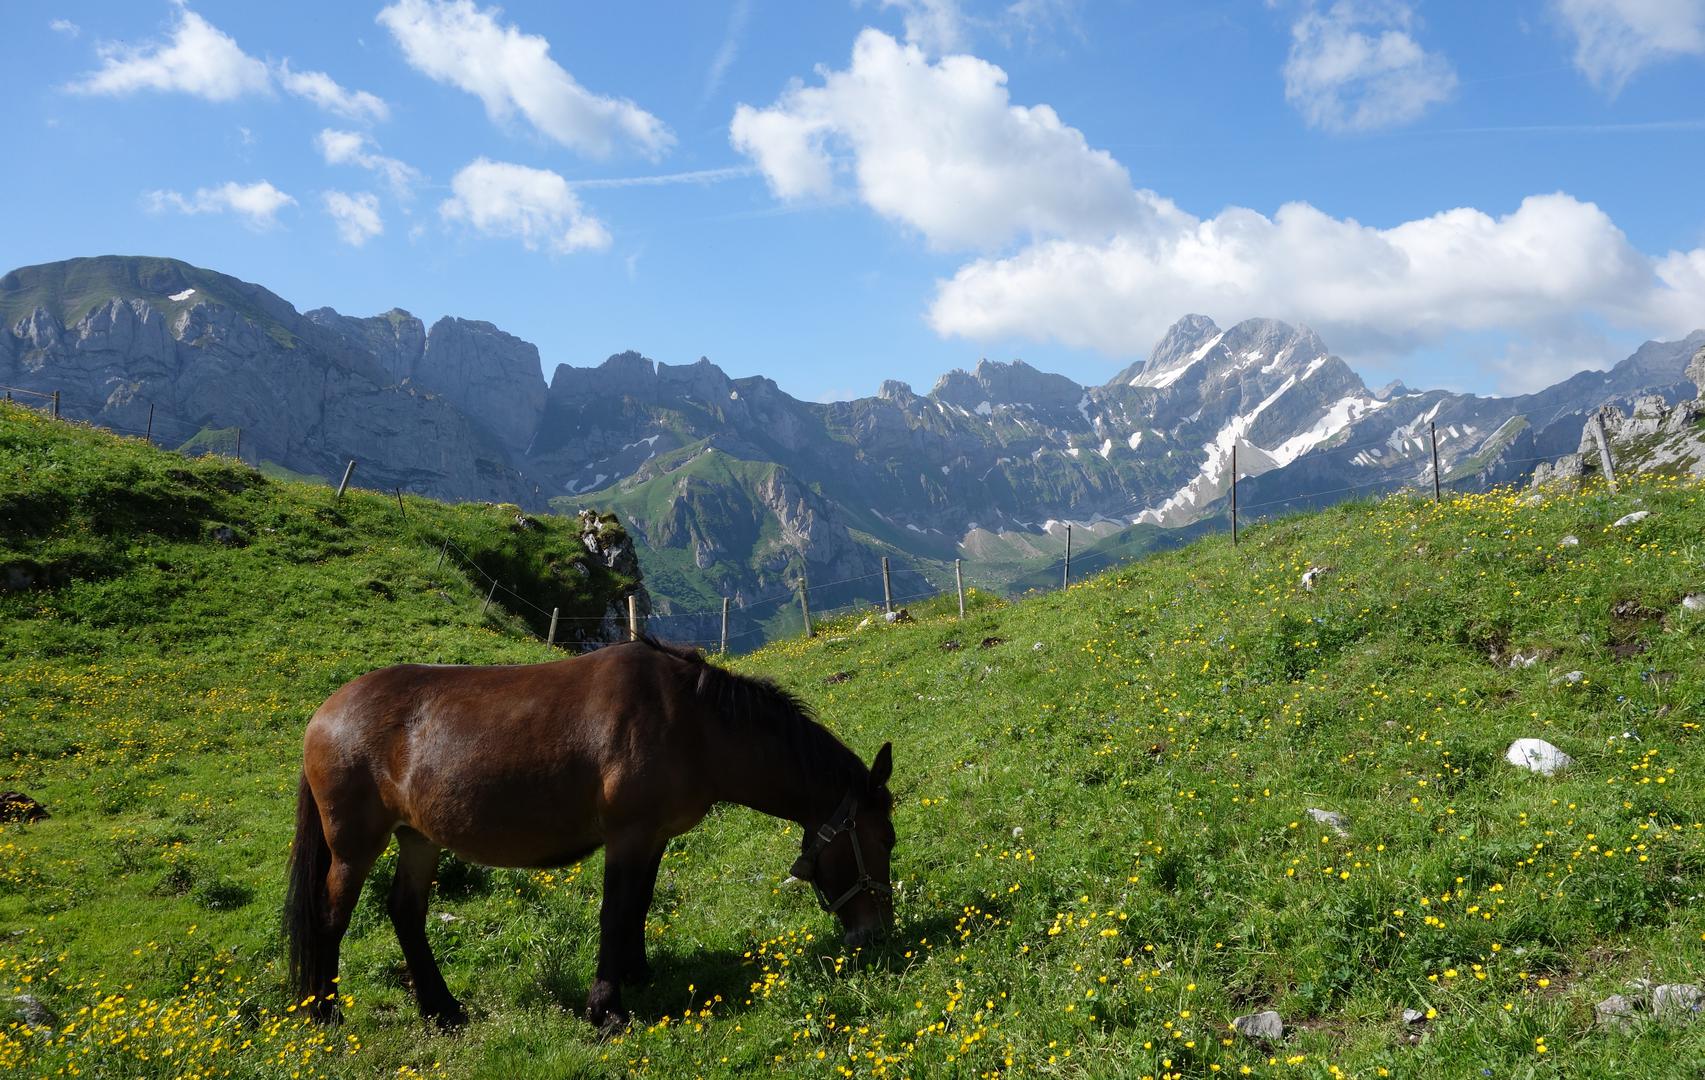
<point x="1103" y="799"/>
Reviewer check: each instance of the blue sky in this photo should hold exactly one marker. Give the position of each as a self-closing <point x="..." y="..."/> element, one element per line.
<point x="1481" y="196"/>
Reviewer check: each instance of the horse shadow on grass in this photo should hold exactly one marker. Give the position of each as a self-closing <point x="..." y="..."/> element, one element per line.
<point x="729" y="973"/>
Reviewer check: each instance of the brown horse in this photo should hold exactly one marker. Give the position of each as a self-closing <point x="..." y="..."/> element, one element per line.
<point x="538" y="766"/>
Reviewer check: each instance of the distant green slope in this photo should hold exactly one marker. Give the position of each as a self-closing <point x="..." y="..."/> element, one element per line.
<point x="72" y="288"/>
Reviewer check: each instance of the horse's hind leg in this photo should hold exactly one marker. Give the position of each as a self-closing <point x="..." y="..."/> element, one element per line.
<point x="344" y="879"/>
<point x="417" y="866"/>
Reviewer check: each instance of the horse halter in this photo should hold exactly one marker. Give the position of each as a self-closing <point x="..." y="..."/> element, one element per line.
<point x="843" y="820"/>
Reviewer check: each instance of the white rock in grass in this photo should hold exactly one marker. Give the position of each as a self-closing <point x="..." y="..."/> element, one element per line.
<point x="1569" y="677"/>
<point x="1617" y="1011"/>
<point x="1332" y="819"/>
<point x="1537" y="755"/>
<point x="1414" y="1016"/>
<point x="1631" y="519"/>
<point x="1262" y="1025"/>
<point x="1570" y="541"/>
<point x="1693" y="601"/>
<point x="1678" y="1001"/>
<point x="1314" y="574"/>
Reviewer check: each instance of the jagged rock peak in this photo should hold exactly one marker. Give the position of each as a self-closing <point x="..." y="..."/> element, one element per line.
<point x="493" y="375"/>
<point x="1182" y="337"/>
<point x="1013" y="383"/>
<point x="1264" y="346"/>
<point x="895" y="390"/>
<point x="629" y="363"/>
<point x="395" y="338"/>
<point x="1696" y="370"/>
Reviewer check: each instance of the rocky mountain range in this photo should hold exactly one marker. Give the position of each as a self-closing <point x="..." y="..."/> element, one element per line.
<point x="733" y="487"/>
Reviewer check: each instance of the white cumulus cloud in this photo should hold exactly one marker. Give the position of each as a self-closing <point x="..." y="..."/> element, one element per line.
<point x="1614" y="39"/>
<point x="198" y="59"/>
<point x="356" y="216"/>
<point x="939" y="147"/>
<point x="457" y="43"/>
<point x="201" y="60"/>
<point x="1355" y="67"/>
<point x="535" y="206"/>
<point x="65" y="26"/>
<point x="324" y="91"/>
<point x="1542" y="266"/>
<point x="257" y="204"/>
<point x="1069" y="250"/>
<point x="354" y="148"/>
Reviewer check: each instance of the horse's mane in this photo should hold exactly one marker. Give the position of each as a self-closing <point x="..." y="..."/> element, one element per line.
<point x="761" y="704"/>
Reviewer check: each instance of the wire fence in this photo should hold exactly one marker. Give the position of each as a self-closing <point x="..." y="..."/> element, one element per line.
<point x="740" y="622"/>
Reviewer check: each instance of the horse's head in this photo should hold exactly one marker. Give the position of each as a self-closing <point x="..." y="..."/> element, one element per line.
<point x="846" y="859"/>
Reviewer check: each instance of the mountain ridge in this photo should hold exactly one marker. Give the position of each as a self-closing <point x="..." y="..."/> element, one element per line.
<point x="986" y="461"/>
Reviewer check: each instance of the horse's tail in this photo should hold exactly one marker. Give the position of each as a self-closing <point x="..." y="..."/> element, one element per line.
<point x="305" y="900"/>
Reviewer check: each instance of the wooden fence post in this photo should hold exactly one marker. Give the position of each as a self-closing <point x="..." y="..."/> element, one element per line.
<point x="633" y="617"/>
<point x="887" y="593"/>
<point x="550" y="638"/>
<point x="149" y="437"/>
<point x="488" y="597"/>
<point x="347" y="472"/>
<point x="1233" y="494"/>
<point x="1604" y="451"/>
<point x="959" y="584"/>
<point x="443" y="551"/>
<point x="1066" y="580"/>
<point x="56" y="404"/>
<point x="1433" y="431"/>
<point x="805" y="603"/>
<point x="239" y="444"/>
<point x="724" y="648"/>
<point x="400" y="511"/>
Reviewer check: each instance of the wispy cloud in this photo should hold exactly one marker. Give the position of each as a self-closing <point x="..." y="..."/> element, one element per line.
<point x="697" y="176"/>
<point x="197" y="59"/>
<point x="356" y="216"/>
<point x="1355" y="66"/>
<point x="257" y="204"/>
<point x="535" y="206"/>
<point x="1635" y="127"/>
<point x="1614" y="39"/>
<point x="354" y="148"/>
<point x="65" y="26"/>
<point x="738" y="16"/>
<point x="324" y="91"/>
<point x="510" y="71"/>
<point x="201" y="60"/>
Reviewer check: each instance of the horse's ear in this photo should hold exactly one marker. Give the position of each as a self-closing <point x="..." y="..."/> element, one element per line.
<point x="883" y="767"/>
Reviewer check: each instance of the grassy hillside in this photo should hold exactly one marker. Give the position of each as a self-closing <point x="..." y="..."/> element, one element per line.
<point x="74" y="287"/>
<point x="1102" y="801"/>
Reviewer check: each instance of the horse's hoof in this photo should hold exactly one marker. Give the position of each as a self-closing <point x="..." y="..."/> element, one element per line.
<point x="452" y="1017"/>
<point x="609" y="1022"/>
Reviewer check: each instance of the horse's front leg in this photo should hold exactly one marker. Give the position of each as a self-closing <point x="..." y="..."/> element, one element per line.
<point x="630" y="877"/>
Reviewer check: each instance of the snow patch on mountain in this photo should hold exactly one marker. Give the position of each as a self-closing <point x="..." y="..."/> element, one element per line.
<point x="1162" y="379"/>
<point x="1214" y="478"/>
